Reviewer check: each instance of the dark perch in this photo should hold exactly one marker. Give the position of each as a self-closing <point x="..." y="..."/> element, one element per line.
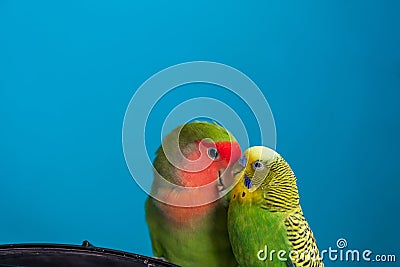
<point x="46" y="255"/>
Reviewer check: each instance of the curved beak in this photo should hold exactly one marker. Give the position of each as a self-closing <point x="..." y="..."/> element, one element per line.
<point x="220" y="184"/>
<point x="226" y="177"/>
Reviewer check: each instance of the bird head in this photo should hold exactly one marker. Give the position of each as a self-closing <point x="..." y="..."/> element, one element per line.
<point x="256" y="165"/>
<point x="198" y="155"/>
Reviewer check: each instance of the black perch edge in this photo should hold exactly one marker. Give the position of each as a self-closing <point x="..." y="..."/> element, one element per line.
<point x="86" y="255"/>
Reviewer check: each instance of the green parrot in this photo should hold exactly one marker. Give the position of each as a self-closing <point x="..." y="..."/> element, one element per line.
<point x="186" y="216"/>
<point x="265" y="222"/>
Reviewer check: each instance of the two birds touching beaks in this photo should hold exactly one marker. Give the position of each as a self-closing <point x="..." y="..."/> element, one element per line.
<point x="211" y="206"/>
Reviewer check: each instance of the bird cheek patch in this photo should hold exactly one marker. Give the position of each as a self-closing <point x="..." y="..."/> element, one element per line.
<point x="247" y="182"/>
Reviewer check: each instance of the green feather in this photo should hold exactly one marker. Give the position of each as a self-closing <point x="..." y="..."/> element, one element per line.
<point x="202" y="242"/>
<point x="269" y="215"/>
<point x="187" y="134"/>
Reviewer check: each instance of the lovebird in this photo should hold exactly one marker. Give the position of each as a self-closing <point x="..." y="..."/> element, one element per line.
<point x="265" y="221"/>
<point x="186" y="216"/>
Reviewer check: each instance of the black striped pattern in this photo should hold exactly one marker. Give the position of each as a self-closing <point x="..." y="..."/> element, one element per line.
<point x="281" y="195"/>
<point x="280" y="189"/>
<point x="302" y="240"/>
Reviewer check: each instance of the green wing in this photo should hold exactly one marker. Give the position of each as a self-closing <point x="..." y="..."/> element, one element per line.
<point x="201" y="243"/>
<point x="151" y="219"/>
<point x="281" y="196"/>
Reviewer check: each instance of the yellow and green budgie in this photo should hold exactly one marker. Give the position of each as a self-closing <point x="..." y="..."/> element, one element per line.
<point x="266" y="224"/>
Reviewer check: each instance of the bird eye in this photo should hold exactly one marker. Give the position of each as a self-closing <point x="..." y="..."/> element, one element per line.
<point x="258" y="165"/>
<point x="212" y="153"/>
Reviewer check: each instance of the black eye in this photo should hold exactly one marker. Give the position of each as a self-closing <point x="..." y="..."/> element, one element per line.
<point x="213" y="153"/>
<point x="258" y="165"/>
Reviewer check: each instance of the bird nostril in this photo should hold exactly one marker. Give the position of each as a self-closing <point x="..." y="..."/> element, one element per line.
<point x="243" y="194"/>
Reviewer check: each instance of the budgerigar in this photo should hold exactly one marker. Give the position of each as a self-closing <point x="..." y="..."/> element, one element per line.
<point x="265" y="216"/>
<point x="181" y="233"/>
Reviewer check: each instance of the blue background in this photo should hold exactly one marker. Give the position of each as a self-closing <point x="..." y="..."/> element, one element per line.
<point x="330" y="71"/>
